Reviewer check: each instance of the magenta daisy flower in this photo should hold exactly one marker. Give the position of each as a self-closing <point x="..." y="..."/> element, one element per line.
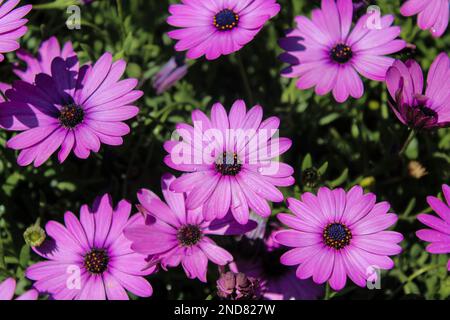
<point x="337" y="234"/>
<point x="439" y="234"/>
<point x="432" y="14"/>
<point x="90" y="259"/>
<point x="72" y="109"/>
<point x="325" y="54"/>
<point x="414" y="108"/>
<point x="230" y="162"/>
<point x="172" y="234"/>
<point x="8" y="287"/>
<point x="12" y="25"/>
<point x="276" y="281"/>
<point x="42" y="63"/>
<point x="215" y="27"/>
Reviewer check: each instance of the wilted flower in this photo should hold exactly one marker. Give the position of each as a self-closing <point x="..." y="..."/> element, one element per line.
<point x="8" y="287"/>
<point x="359" y="4"/>
<point x="173" y="71"/>
<point x="237" y="286"/>
<point x="414" y="108"/>
<point x="215" y="27"/>
<point x="72" y="109"/>
<point x="89" y="258"/>
<point x="439" y="232"/>
<point x="324" y="54"/>
<point x="433" y="15"/>
<point x="338" y="234"/>
<point x="172" y="234"/>
<point x="12" y="25"/>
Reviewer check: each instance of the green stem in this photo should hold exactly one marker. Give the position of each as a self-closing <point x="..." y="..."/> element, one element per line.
<point x="413" y="34"/>
<point x="244" y="79"/>
<point x="410" y="138"/>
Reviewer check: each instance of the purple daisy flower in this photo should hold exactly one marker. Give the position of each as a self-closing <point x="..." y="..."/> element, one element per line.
<point x="73" y="108"/>
<point x="230" y="162"/>
<point x="337" y="234"/>
<point x="48" y="51"/>
<point x="237" y="286"/>
<point x="216" y="27"/>
<point x="8" y="287"/>
<point x="324" y="54"/>
<point x="12" y="25"/>
<point x="411" y="106"/>
<point x="439" y="234"/>
<point x="90" y="259"/>
<point x="276" y="281"/>
<point x="432" y="14"/>
<point x="172" y="72"/>
<point x="172" y="234"/>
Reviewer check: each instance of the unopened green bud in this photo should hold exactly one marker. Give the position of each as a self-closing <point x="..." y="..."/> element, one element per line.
<point x="311" y="177"/>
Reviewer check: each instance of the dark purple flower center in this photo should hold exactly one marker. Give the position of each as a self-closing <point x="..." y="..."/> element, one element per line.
<point x="228" y="164"/>
<point x="226" y="20"/>
<point x="341" y="53"/>
<point x="96" y="261"/>
<point x="71" y="115"/>
<point x="189" y="235"/>
<point x="337" y="235"/>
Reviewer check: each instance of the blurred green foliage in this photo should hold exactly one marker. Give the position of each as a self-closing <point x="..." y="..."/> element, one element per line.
<point x="352" y="143"/>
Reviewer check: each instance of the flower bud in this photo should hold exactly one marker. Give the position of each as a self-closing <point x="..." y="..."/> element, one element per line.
<point x="237" y="286"/>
